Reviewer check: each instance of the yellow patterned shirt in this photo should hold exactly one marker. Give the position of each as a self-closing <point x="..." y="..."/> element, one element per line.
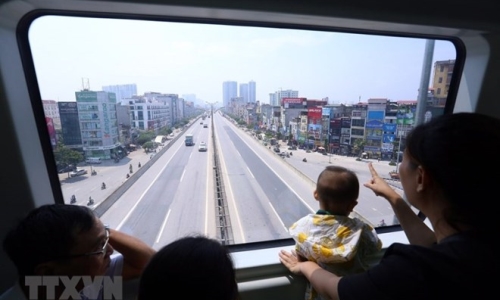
<point x="338" y="244"/>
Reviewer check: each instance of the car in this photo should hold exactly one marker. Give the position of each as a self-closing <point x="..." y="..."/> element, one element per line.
<point x="201" y="123"/>
<point x="68" y="168"/>
<point x="202" y="147"/>
<point x="78" y="172"/>
<point x="205" y="126"/>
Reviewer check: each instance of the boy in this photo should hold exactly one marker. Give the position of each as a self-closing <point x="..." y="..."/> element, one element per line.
<point x="330" y="237"/>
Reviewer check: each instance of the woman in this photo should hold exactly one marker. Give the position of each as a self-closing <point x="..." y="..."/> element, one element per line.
<point x="440" y="177"/>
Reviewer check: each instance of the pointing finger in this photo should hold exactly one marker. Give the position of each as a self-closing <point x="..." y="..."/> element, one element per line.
<point x="372" y="170"/>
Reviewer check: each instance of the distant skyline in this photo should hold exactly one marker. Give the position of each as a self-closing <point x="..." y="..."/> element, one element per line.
<point x="177" y="58"/>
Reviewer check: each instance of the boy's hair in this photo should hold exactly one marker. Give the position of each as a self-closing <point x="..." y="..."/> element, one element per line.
<point x="337" y="184"/>
<point x="45" y="234"/>
<point x="198" y="266"/>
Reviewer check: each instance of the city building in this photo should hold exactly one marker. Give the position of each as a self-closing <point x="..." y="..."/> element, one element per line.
<point x="229" y="91"/>
<point x="51" y="110"/>
<point x="244" y="92"/>
<point x="122" y="91"/>
<point x="252" y="92"/>
<point x="276" y="97"/>
<point x="70" y="125"/>
<point x="98" y="124"/>
<point x="443" y="71"/>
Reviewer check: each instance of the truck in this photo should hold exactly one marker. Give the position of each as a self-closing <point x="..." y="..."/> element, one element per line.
<point x="189" y="140"/>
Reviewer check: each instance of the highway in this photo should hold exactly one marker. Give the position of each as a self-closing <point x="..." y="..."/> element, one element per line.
<point x="175" y="195"/>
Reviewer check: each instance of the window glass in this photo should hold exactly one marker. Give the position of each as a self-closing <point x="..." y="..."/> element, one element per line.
<point x="267" y="98"/>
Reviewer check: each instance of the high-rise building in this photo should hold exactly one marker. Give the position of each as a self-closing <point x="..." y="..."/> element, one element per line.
<point x="229" y="91"/>
<point x="244" y="92"/>
<point x="276" y="97"/>
<point x="122" y="91"/>
<point x="252" y="91"/>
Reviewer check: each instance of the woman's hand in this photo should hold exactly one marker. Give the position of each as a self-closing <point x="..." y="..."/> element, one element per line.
<point x="379" y="186"/>
<point x="291" y="261"/>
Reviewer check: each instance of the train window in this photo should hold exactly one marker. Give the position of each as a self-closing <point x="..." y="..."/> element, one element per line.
<point x="282" y="103"/>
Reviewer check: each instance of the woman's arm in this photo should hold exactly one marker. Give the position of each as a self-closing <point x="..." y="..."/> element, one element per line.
<point x="415" y="229"/>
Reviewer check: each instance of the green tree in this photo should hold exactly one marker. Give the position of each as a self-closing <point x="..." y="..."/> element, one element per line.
<point x="165" y="131"/>
<point x="145" y="136"/>
<point x="147" y="146"/>
<point x="65" y="156"/>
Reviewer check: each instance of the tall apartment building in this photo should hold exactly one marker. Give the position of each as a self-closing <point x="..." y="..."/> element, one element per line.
<point x="276" y="97"/>
<point x="252" y="92"/>
<point x="248" y="92"/>
<point x="122" y="91"/>
<point x="98" y="124"/>
<point x="243" y="94"/>
<point x="229" y="91"/>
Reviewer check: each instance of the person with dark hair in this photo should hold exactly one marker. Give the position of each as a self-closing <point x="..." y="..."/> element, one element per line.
<point x="69" y="241"/>
<point x="192" y="267"/>
<point x="330" y="237"/>
<point x="440" y="177"/>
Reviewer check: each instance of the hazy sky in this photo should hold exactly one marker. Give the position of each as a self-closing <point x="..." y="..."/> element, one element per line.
<point x="196" y="59"/>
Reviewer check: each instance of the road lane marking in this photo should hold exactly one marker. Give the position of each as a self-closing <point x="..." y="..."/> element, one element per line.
<point x="162" y="227"/>
<point x="147" y="189"/>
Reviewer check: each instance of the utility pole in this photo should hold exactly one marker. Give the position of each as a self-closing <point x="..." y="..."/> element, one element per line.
<point x="424" y="82"/>
<point x="399" y="150"/>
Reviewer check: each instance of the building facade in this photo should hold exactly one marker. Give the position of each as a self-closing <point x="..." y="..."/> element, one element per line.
<point x="98" y="124"/>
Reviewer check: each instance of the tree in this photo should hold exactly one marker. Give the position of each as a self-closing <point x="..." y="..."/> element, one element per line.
<point x="165" y="131"/>
<point x="358" y="146"/>
<point x="65" y="156"/>
<point x="148" y="146"/>
<point x="145" y="136"/>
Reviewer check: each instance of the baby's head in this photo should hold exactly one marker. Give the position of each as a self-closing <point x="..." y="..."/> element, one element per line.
<point x="337" y="190"/>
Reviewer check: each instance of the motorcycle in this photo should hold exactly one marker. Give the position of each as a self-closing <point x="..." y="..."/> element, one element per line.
<point x="94" y="172"/>
<point x="90" y="202"/>
<point x="103" y="186"/>
<point x="304" y="160"/>
<point x="128" y="175"/>
<point x="73" y="199"/>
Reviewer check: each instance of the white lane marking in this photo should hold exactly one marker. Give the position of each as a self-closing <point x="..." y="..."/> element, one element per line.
<point x="162" y="227"/>
<point x="146" y="190"/>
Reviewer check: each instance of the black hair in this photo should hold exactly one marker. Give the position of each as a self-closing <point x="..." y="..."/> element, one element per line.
<point x="196" y="266"/>
<point x="343" y="188"/>
<point x="45" y="234"/>
<point x="455" y="149"/>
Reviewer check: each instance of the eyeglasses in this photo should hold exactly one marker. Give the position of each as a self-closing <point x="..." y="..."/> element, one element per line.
<point x="102" y="251"/>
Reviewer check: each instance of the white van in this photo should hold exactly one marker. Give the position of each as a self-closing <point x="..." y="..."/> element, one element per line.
<point x="93" y="160"/>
